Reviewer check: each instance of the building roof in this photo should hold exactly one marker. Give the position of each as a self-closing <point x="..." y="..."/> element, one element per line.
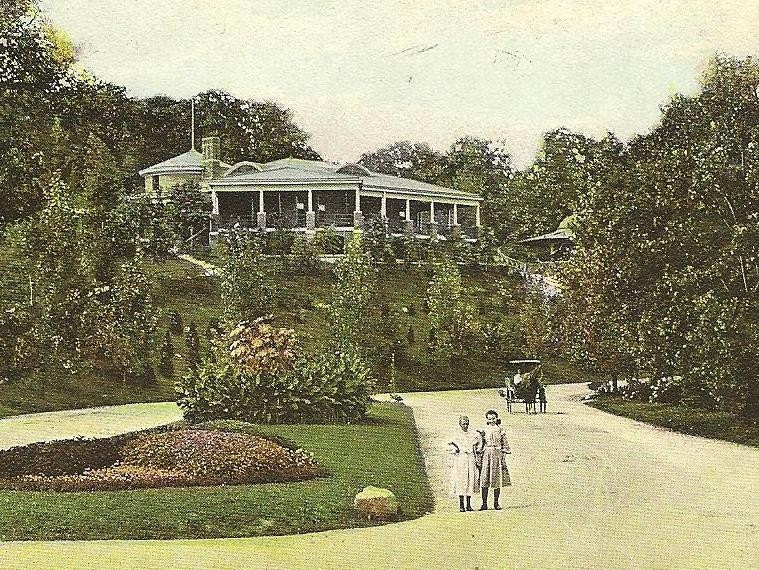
<point x="190" y="162"/>
<point x="298" y="171"/>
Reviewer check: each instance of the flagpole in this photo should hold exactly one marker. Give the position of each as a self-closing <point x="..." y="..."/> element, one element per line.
<point x="192" y="138"/>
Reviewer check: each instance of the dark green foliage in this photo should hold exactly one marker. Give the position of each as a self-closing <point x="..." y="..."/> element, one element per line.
<point x="305" y="256"/>
<point x="166" y="364"/>
<point x="327" y="241"/>
<point x="663" y="279"/>
<point x="175" y="322"/>
<point x="187" y="212"/>
<point x="410" y="337"/>
<point x="65" y="457"/>
<point x="192" y="344"/>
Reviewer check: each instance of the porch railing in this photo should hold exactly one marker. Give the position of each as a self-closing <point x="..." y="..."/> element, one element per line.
<point x="286" y="220"/>
<point x="337" y="219"/>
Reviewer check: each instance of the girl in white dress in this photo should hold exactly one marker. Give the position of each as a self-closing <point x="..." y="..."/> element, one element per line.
<point x="494" y="472"/>
<point x="464" y="474"/>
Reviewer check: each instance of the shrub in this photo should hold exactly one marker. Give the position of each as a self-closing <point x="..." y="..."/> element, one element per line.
<point x="327" y="241"/>
<point x="65" y="457"/>
<point x="166" y="365"/>
<point x="260" y="377"/>
<point x="305" y="256"/>
<point x="176" y="326"/>
<point x="636" y="390"/>
<point x="192" y="342"/>
<point x="665" y="390"/>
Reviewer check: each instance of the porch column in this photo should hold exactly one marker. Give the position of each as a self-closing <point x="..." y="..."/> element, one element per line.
<point x="261" y="217"/>
<point x="408" y="225"/>
<point x="358" y="218"/>
<point x="310" y="215"/>
<point x="455" y="214"/>
<point x="383" y="206"/>
<point x="433" y="223"/>
<point x="214" y="202"/>
<point x="477" y="215"/>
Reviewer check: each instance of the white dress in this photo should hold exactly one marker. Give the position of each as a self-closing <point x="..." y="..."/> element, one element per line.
<point x="464" y="475"/>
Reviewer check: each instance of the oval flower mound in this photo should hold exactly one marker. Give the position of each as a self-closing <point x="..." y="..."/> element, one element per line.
<point x="177" y="458"/>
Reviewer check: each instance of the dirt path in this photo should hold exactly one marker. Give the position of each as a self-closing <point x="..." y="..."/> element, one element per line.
<point x="590" y="491"/>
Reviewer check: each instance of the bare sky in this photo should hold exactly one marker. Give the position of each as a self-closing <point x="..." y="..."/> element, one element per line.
<point x="359" y="75"/>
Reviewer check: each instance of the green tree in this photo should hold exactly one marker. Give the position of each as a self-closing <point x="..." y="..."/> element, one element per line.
<point x="408" y="160"/>
<point x="451" y="317"/>
<point x="187" y="210"/>
<point x="664" y="275"/>
<point x="246" y="287"/>
<point x="351" y="296"/>
<point x="192" y="343"/>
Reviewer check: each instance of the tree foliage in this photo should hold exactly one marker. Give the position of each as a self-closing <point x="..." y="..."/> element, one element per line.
<point x="247" y="288"/>
<point x="351" y="296"/>
<point x="451" y="317"/>
<point x="664" y="277"/>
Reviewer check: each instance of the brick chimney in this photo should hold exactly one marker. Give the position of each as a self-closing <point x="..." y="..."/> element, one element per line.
<point x="211" y="161"/>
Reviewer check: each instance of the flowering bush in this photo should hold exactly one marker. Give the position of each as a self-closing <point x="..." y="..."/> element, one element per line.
<point x="636" y="390"/>
<point x="173" y="458"/>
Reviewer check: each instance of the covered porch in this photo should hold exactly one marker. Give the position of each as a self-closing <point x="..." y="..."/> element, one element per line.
<point x="344" y="209"/>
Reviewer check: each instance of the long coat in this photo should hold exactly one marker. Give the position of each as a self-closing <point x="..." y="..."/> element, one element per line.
<point x="464" y="475"/>
<point x="494" y="472"/>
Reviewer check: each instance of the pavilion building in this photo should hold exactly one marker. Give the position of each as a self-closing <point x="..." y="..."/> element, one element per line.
<point x="305" y="195"/>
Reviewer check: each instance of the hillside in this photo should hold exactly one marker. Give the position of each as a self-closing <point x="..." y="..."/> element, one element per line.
<point x="301" y="304"/>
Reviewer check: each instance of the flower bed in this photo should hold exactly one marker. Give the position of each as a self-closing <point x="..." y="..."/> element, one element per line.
<point x="174" y="458"/>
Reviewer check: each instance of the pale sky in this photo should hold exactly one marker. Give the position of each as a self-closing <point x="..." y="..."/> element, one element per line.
<point x="360" y="75"/>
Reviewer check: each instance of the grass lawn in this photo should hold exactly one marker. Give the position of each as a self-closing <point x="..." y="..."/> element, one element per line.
<point x="382" y="452"/>
<point x="692" y="421"/>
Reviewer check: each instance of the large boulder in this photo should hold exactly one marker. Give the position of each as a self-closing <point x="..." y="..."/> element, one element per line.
<point x="374" y="503"/>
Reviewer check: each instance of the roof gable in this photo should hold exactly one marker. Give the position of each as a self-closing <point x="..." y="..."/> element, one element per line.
<point x="190" y="161"/>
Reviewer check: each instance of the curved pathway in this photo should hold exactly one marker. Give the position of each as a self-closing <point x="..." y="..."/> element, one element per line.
<point x="590" y="490"/>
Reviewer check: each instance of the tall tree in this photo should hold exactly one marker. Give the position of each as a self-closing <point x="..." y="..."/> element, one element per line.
<point x="408" y="160"/>
<point x="349" y="309"/>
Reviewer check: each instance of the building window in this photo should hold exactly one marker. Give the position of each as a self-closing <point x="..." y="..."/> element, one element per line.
<point x="156" y="185"/>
